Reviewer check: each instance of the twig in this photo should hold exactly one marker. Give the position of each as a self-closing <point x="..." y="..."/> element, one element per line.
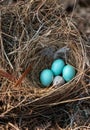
<point x="13" y="107"/>
<point x="71" y="100"/>
<point x="7" y="75"/>
<point x="22" y="76"/>
<point x="1" y="41"/>
<point x="82" y="127"/>
<point x="8" y="60"/>
<point x="13" y="126"/>
<point x="35" y="35"/>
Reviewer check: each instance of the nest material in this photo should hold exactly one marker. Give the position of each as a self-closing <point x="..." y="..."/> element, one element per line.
<point x="34" y="34"/>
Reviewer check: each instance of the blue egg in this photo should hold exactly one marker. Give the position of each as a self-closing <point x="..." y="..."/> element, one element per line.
<point x="57" y="66"/>
<point x="68" y="73"/>
<point x="46" y="77"/>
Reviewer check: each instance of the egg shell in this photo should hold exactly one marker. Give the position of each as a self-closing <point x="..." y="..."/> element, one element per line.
<point x="57" y="66"/>
<point x="46" y="77"/>
<point x="68" y="73"/>
<point x="58" y="80"/>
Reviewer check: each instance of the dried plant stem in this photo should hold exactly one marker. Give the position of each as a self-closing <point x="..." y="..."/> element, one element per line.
<point x="7" y="75"/>
<point x="18" y="82"/>
<point x="13" y="126"/>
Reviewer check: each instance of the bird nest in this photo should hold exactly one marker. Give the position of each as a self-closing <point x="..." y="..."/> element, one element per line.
<point x="33" y="34"/>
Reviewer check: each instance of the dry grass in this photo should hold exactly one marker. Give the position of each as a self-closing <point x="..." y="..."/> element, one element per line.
<point x="32" y="35"/>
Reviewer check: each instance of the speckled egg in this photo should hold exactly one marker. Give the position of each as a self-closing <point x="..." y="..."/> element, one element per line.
<point x="46" y="77"/>
<point x="57" y="66"/>
<point x="58" y="80"/>
<point x="68" y="73"/>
